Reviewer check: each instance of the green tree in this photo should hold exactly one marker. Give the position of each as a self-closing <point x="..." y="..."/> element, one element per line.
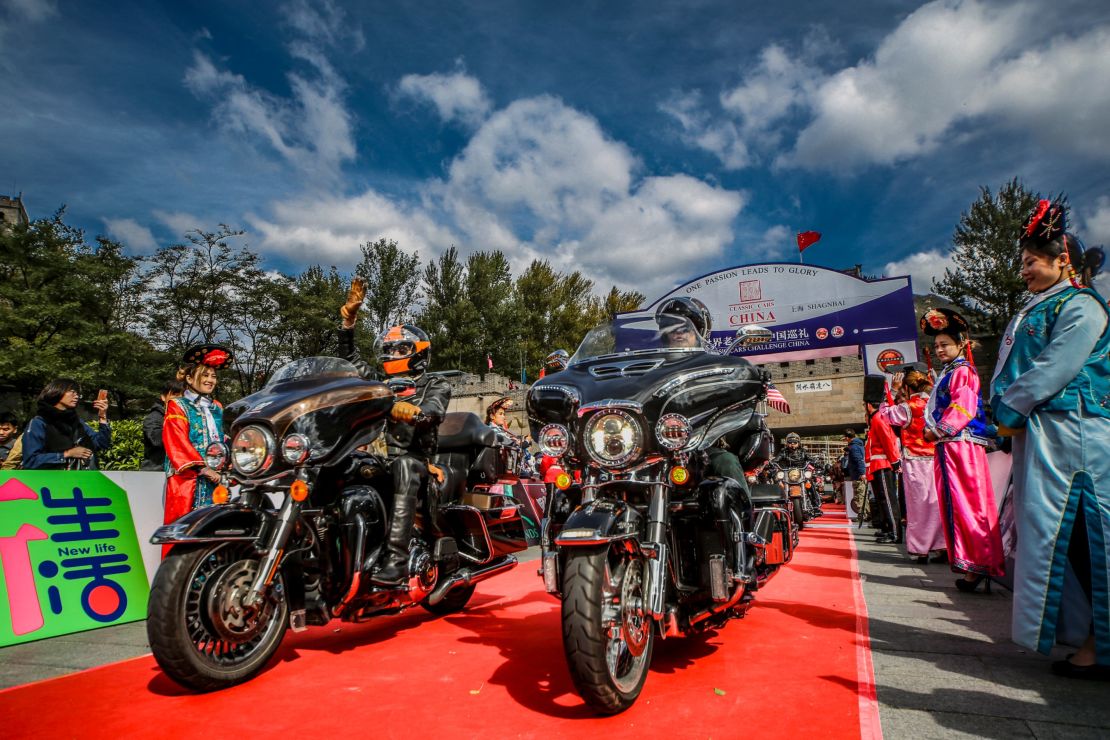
<point x="986" y="279"/>
<point x="392" y="284"/>
<point x="310" y="312"/>
<point x="449" y="317"/>
<point x="615" y="302"/>
<point x="67" y="309"/>
<point x="489" y="289"/>
<point x="554" y="311"/>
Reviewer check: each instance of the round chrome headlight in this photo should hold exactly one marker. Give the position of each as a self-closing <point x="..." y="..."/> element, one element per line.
<point x="553" y="440"/>
<point x="673" y="431"/>
<point x="780" y="475"/>
<point x="613" y="438"/>
<point x="252" y="450"/>
<point x="794" y="476"/>
<point x="295" y="449"/>
<point x="809" y="474"/>
<point x="215" y="457"/>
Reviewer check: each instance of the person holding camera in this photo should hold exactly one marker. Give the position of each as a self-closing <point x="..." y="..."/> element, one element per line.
<point x="56" y="438"/>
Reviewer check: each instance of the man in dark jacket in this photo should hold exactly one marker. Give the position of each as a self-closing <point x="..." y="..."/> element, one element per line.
<point x="856" y="472"/>
<point x="154" y="454"/>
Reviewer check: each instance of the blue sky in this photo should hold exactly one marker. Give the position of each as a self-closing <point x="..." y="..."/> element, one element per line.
<point x="643" y="143"/>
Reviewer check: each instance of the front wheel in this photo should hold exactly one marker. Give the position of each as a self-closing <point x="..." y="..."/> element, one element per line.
<point x="201" y="633"/>
<point x="607" y="635"/>
<point x="799" y="512"/>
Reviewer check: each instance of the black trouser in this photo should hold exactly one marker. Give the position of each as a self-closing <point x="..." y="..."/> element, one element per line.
<point x="886" y="499"/>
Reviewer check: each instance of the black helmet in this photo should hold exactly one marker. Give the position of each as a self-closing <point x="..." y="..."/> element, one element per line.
<point x="403" y="350"/>
<point x="690" y="308"/>
<point x="556" y="361"/>
<point x="793" y="437"/>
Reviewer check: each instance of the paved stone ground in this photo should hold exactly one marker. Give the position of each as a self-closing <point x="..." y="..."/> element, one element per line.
<point x="944" y="664"/>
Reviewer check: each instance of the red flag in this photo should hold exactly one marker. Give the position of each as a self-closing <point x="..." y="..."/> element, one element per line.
<point x="489" y="361"/>
<point x="543" y="372"/>
<point x="776" y="400"/>
<point x="807" y="239"/>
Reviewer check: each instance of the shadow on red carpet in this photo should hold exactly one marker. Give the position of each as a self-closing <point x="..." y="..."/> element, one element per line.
<point x="497" y="669"/>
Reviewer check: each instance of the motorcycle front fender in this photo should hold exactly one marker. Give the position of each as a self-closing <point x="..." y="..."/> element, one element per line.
<point x="599" y="522"/>
<point x="222" y="523"/>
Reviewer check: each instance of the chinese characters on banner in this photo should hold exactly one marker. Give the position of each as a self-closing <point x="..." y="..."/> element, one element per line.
<point x="69" y="556"/>
<point x="813" y="386"/>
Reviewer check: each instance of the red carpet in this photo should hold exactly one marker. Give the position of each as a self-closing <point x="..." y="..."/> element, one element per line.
<point x="799" y="664"/>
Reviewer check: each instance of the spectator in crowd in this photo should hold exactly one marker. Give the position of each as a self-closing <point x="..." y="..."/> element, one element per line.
<point x="154" y="453"/>
<point x="14" y="460"/>
<point x="9" y="434"/>
<point x="924" y="534"/>
<point x="882" y="457"/>
<point x="497" y="414"/>
<point x="855" y="469"/>
<point x="194" y="420"/>
<point x="1051" y="393"/>
<point x="956" y="421"/>
<point x="56" y="439"/>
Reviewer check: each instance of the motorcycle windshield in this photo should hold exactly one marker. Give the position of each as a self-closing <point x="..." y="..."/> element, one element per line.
<point x="663" y="333"/>
<point x="312" y="368"/>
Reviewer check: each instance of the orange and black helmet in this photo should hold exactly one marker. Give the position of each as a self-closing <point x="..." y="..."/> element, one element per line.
<point x="403" y="350"/>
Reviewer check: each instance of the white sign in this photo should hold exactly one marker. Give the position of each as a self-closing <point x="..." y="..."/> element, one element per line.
<point x="813" y="386"/>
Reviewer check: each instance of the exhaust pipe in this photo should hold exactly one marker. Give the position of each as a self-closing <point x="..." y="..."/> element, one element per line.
<point x="468" y="576"/>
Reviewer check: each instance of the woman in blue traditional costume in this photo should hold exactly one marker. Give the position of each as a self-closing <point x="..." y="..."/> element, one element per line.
<point x="1051" y="392"/>
<point x="956" y="420"/>
<point x="194" y="420"/>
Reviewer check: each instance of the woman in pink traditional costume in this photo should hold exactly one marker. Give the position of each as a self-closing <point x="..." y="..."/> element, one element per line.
<point x="955" y="420"/>
<point x="924" y="529"/>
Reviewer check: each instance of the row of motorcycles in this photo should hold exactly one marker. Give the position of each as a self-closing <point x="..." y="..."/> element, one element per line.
<point x="641" y="540"/>
<point x="804" y="484"/>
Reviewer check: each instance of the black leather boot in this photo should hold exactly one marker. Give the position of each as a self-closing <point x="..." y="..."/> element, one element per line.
<point x="394" y="566"/>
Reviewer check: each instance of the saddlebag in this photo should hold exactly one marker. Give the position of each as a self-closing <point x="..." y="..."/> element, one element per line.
<point x="486" y="526"/>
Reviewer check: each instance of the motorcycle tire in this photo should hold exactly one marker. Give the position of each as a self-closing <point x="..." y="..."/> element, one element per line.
<point x="608" y="672"/>
<point x="197" y="648"/>
<point x="799" y="512"/>
<point x="454" y="601"/>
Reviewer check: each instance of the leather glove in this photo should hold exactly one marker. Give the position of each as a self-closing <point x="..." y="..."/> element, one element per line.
<point x="404" y="411"/>
<point x="355" y="296"/>
<point x="436" y="472"/>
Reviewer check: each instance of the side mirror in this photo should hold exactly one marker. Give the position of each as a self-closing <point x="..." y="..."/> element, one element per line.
<point x="752" y="335"/>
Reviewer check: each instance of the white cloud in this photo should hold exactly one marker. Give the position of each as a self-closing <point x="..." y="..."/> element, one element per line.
<point x="180" y="222"/>
<point x="310" y="128"/>
<point x="322" y="22"/>
<point x="953" y="70"/>
<point x="133" y="235"/>
<point x="537" y="180"/>
<point x="1096" y="224"/>
<point x="721" y="138"/>
<point x="922" y="267"/>
<point x="456" y="96"/>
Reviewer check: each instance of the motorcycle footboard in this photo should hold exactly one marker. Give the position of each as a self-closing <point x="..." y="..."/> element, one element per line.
<point x="485" y="534"/>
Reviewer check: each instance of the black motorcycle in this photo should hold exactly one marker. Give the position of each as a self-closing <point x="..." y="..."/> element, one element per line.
<point x="298" y="543"/>
<point x="648" y="543"/>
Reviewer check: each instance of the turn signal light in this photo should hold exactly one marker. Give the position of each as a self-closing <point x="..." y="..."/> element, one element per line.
<point x="679" y="475"/>
<point x="220" y="495"/>
<point x="298" y="491"/>
<point x="562" y="481"/>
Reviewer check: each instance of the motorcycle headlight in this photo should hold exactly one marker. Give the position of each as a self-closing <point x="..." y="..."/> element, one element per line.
<point x="252" y="450"/>
<point x="673" y="431"/>
<point x="809" y="474"/>
<point x="780" y="475"/>
<point x="613" y="438"/>
<point x="295" y="449"/>
<point x="795" y="476"/>
<point x="553" y="440"/>
<point x="215" y="457"/>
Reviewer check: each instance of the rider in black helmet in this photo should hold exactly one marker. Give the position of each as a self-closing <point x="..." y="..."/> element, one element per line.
<point x="676" y="316"/>
<point x="556" y="362"/>
<point x="404" y="352"/>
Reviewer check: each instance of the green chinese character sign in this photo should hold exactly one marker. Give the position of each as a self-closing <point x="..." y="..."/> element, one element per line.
<point x="69" y="557"/>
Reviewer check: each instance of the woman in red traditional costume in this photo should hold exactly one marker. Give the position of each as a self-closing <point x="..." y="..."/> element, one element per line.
<point x="194" y="420"/>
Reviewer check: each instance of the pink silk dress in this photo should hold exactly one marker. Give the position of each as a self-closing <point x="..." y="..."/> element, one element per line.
<point x="924" y="528"/>
<point x="963" y="480"/>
